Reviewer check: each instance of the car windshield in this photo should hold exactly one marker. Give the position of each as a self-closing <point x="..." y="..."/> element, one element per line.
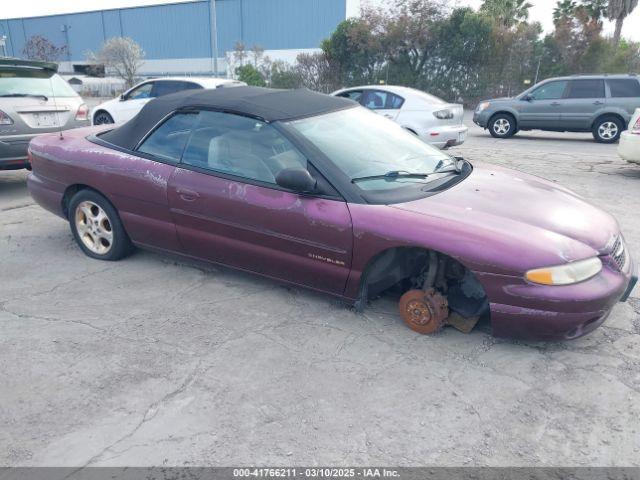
<point x="13" y="84"/>
<point x="372" y="151"/>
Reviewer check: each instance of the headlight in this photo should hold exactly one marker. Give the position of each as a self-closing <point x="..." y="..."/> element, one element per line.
<point x="482" y="106"/>
<point x="569" y="273"/>
<point x="443" y="114"/>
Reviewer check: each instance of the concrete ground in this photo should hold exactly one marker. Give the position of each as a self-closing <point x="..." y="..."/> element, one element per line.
<point x="151" y="362"/>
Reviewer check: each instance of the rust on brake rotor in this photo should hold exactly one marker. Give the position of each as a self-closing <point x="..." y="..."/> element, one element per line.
<point x="424" y="311"/>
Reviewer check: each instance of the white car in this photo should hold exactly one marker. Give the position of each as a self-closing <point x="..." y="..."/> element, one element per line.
<point x="629" y="146"/>
<point x="127" y="105"/>
<point x="430" y="118"/>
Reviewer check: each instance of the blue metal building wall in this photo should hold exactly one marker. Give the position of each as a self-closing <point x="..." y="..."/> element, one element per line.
<point x="182" y="30"/>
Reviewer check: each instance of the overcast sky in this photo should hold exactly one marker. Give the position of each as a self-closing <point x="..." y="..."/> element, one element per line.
<point x="541" y="10"/>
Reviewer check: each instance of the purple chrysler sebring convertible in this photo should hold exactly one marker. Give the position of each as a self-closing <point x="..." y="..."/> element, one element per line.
<point x="317" y="191"/>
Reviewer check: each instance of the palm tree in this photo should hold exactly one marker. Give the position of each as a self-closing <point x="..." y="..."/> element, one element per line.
<point x="507" y="12"/>
<point x="617" y="11"/>
<point x="564" y="9"/>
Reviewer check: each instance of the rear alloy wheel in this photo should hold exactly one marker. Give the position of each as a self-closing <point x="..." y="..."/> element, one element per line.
<point x="502" y="125"/>
<point x="607" y="129"/>
<point x="102" y="118"/>
<point x="97" y="228"/>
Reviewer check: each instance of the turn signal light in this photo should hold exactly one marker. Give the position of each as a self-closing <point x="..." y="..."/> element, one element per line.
<point x="5" y="119"/>
<point x="83" y="112"/>
<point x="566" y="274"/>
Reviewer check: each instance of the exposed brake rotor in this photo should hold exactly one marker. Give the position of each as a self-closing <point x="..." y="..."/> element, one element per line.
<point x="424" y="311"/>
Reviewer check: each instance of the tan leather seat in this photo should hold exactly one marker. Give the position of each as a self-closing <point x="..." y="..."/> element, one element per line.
<point x="232" y="153"/>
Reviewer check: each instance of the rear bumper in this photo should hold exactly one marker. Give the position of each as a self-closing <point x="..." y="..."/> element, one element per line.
<point x="46" y="193"/>
<point x="446" y="136"/>
<point x="13" y="152"/>
<point x="562" y="312"/>
<point x="13" y="148"/>
<point x="629" y="147"/>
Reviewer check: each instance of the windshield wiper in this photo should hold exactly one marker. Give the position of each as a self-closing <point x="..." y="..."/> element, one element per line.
<point x="392" y="175"/>
<point x="44" y="97"/>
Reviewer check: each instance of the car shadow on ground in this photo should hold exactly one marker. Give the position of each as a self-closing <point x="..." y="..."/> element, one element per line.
<point x="564" y="138"/>
<point x="12" y="182"/>
<point x="632" y="171"/>
<point x="379" y="318"/>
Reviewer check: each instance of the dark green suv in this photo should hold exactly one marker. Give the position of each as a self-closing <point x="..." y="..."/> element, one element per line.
<point x="601" y="104"/>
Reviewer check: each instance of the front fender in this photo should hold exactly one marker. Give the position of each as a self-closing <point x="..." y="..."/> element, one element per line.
<point x="503" y="109"/>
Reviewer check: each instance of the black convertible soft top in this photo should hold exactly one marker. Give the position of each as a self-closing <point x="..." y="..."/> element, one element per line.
<point x="266" y="104"/>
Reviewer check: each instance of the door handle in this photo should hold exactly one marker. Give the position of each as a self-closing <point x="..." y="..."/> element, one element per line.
<point x="555" y="104"/>
<point x="187" y="195"/>
<point x="386" y="115"/>
<point x="598" y="102"/>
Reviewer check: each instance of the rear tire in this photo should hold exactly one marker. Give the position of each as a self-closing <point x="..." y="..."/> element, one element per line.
<point x="607" y="129"/>
<point x="97" y="228"/>
<point x="102" y="118"/>
<point x="502" y="125"/>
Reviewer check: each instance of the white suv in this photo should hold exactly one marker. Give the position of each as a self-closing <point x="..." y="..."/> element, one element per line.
<point x="127" y="105"/>
<point x="629" y="146"/>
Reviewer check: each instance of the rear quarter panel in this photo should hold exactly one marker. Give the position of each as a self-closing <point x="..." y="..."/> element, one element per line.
<point x="621" y="106"/>
<point x="137" y="187"/>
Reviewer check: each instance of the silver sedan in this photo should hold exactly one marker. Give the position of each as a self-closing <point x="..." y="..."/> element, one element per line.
<point x="34" y="99"/>
<point x="430" y="118"/>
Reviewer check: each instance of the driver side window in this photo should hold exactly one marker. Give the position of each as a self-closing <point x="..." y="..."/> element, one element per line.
<point x="143" y="91"/>
<point x="240" y="146"/>
<point x="549" y="91"/>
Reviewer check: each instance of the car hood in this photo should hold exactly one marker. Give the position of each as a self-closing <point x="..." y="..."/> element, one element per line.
<point x="500" y="99"/>
<point x="525" y="212"/>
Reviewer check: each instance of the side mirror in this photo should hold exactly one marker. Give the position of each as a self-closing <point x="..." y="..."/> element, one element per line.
<point x="122" y="97"/>
<point x="527" y="98"/>
<point x="296" y="179"/>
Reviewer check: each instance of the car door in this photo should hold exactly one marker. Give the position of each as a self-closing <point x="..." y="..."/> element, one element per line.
<point x="541" y="108"/>
<point x="133" y="101"/>
<point x="140" y="190"/>
<point x="228" y="208"/>
<point x="583" y="99"/>
<point x="384" y="103"/>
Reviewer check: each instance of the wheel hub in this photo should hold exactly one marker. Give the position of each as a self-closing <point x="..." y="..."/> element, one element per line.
<point x="94" y="227"/>
<point x="608" y="130"/>
<point x="423" y="311"/>
<point x="501" y="126"/>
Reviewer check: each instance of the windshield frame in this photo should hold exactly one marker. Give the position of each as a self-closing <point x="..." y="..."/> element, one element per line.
<point x="351" y="192"/>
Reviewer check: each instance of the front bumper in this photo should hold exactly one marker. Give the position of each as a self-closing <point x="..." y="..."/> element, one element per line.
<point x="481" y="118"/>
<point x="629" y="147"/>
<point x="446" y="136"/>
<point x="552" y="313"/>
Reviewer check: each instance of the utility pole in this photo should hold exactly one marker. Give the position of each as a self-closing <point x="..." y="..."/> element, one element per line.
<point x="538" y="70"/>
<point x="65" y="30"/>
<point x="214" y="38"/>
